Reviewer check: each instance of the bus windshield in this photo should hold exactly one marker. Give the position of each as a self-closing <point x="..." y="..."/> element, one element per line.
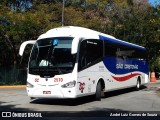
<point x="52" y="56"/>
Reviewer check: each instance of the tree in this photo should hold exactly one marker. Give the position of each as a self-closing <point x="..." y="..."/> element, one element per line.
<point x="131" y="20"/>
<point x="20" y="5"/>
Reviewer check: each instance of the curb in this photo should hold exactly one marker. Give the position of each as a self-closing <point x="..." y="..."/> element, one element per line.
<point x="15" y="86"/>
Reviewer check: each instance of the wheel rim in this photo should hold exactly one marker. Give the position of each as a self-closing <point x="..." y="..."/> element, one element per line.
<point x="138" y="84"/>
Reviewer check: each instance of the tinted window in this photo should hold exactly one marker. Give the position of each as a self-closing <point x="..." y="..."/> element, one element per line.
<point x="49" y="59"/>
<point x="123" y="51"/>
<point x="90" y="52"/>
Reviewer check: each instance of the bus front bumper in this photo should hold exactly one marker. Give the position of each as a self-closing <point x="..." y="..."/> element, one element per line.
<point x="51" y="92"/>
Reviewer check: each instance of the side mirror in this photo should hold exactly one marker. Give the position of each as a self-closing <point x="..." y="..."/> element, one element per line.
<point x="23" y="45"/>
<point x="75" y="45"/>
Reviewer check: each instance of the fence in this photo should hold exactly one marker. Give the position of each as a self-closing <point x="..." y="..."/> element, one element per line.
<point x="12" y="75"/>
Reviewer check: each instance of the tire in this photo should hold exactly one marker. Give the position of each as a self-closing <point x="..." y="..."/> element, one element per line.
<point x="138" y="85"/>
<point x="98" y="92"/>
<point x="31" y="98"/>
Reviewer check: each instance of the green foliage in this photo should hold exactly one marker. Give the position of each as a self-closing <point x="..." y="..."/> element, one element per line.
<point x="131" y="20"/>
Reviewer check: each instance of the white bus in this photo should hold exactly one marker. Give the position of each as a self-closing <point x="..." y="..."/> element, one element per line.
<point x="71" y="62"/>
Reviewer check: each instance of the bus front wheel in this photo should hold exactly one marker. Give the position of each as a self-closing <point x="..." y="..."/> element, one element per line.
<point x="98" y="92"/>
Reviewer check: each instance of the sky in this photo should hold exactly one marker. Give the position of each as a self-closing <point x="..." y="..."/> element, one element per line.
<point x="153" y="1"/>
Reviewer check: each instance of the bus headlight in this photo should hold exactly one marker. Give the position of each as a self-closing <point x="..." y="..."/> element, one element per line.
<point x="30" y="85"/>
<point x="69" y="84"/>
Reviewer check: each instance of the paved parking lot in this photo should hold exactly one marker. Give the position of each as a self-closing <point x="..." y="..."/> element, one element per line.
<point x="126" y="100"/>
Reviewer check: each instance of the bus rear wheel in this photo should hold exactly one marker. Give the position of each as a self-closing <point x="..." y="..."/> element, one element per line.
<point x="98" y="92"/>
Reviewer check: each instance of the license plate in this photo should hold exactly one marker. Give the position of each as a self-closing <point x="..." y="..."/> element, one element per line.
<point x="46" y="92"/>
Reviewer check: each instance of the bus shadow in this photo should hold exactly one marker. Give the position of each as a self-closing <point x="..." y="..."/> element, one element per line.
<point x="122" y="91"/>
<point x="64" y="102"/>
<point x="82" y="100"/>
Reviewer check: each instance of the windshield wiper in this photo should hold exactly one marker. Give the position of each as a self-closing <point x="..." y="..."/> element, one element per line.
<point x="38" y="51"/>
<point x="50" y="60"/>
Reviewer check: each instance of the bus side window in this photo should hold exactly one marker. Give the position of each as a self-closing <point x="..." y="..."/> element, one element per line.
<point x="118" y="50"/>
<point x="94" y="50"/>
<point x="124" y="52"/>
<point x="140" y="55"/>
<point x="90" y="52"/>
<point x="110" y="49"/>
<point x="82" y="55"/>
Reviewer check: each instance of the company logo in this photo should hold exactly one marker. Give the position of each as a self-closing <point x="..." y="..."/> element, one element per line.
<point x="81" y="86"/>
<point x="17" y="114"/>
<point x="6" y="114"/>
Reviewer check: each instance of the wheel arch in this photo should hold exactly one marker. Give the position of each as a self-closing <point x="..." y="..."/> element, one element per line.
<point x="101" y="80"/>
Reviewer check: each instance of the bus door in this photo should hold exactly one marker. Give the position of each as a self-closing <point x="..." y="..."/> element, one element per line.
<point x="90" y="56"/>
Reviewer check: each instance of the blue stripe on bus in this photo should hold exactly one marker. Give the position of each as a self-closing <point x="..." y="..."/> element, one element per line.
<point x="121" y="66"/>
<point x="120" y="42"/>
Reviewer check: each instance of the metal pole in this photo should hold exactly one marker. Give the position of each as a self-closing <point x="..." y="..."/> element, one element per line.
<point x="63" y="14"/>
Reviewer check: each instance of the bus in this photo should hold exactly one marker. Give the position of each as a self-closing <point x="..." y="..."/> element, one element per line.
<point x="72" y="61"/>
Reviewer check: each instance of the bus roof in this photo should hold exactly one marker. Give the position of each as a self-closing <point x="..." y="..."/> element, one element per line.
<point x="81" y="32"/>
<point x="121" y="42"/>
<point x="72" y="31"/>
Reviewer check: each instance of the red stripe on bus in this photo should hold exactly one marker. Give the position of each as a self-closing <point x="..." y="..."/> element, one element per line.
<point x="124" y="78"/>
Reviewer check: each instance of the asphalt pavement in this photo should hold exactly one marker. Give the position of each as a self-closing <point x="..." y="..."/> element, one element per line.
<point x="127" y="101"/>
